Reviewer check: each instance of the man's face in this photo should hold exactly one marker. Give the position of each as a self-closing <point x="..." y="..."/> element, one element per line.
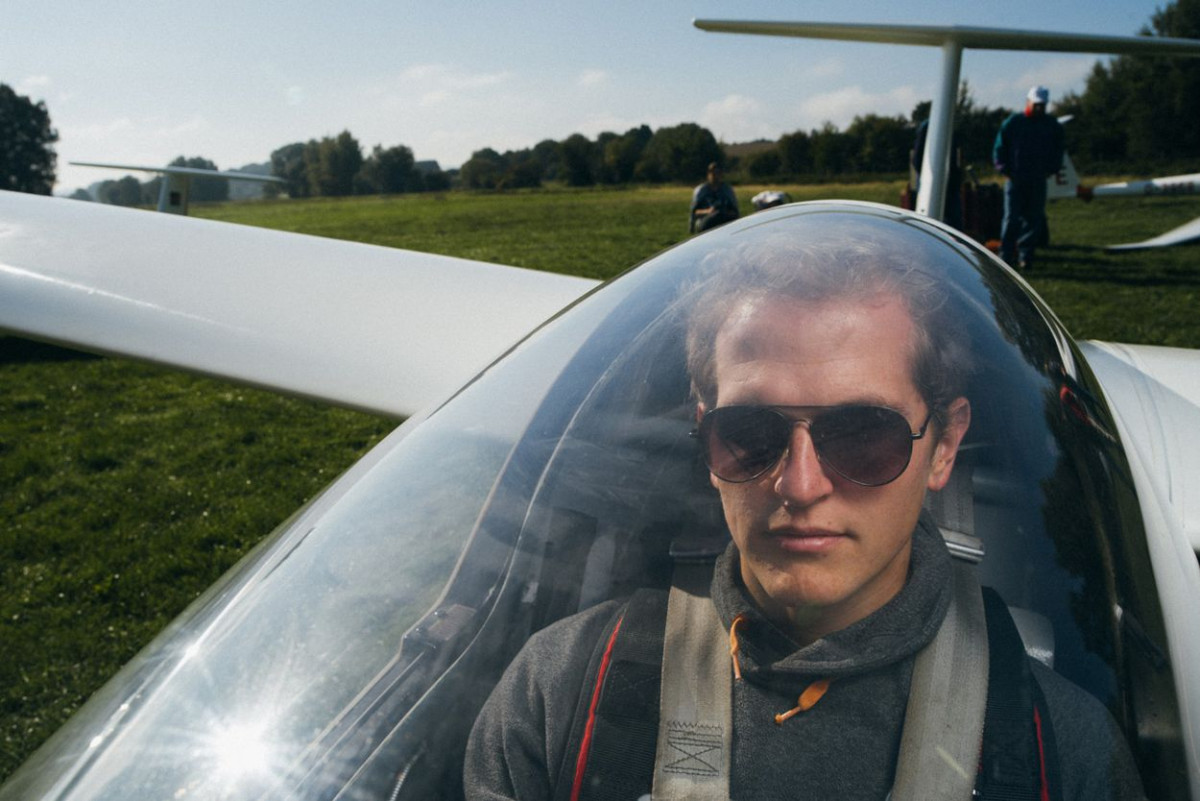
<point x="714" y="176"/>
<point x="817" y="551"/>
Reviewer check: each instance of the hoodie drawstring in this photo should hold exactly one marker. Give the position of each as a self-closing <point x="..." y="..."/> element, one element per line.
<point x="734" y="646"/>
<point x="807" y="700"/>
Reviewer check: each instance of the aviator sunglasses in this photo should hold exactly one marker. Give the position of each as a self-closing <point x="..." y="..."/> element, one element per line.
<point x="868" y="445"/>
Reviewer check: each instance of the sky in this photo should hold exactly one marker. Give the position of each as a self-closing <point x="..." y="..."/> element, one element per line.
<point x="142" y="82"/>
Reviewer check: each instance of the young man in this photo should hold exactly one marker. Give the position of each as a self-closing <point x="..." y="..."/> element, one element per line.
<point x="829" y="382"/>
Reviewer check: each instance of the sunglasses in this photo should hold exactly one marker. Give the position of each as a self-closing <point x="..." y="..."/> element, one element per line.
<point x="868" y="445"/>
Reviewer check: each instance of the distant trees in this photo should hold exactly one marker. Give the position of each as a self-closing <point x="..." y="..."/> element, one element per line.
<point x="622" y="154"/>
<point x="680" y="153"/>
<point x="795" y="153"/>
<point x="332" y="165"/>
<point x="125" y="191"/>
<point x="387" y="171"/>
<point x="200" y="189"/>
<point x="871" y="144"/>
<point x="881" y="144"/>
<point x="546" y="154"/>
<point x="484" y="170"/>
<point x="1140" y="110"/>
<point x="579" y="157"/>
<point x="677" y="153"/>
<point x="27" y="157"/>
<point x="287" y="163"/>
<point x="336" y="167"/>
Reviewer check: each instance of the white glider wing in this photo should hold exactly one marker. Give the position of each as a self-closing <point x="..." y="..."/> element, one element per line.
<point x="1155" y="391"/>
<point x="373" y="328"/>
<point x="964" y="35"/>
<point x="1188" y="232"/>
<point x="232" y="175"/>
<point x="1168" y="185"/>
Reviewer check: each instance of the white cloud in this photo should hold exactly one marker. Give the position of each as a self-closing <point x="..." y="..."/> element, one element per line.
<point x="444" y="77"/>
<point x="435" y="98"/>
<point x="737" y="118"/>
<point x="739" y="105"/>
<point x="593" y="78"/>
<point x="97" y="131"/>
<point x="429" y="85"/>
<point x="1061" y="74"/>
<point x="841" y="106"/>
<point x="33" y="83"/>
<point x="169" y="129"/>
<point x="294" y="95"/>
<point x="828" y="68"/>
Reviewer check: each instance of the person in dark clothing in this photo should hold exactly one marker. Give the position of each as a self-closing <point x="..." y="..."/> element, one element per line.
<point x="1028" y="150"/>
<point x="829" y="379"/>
<point x="713" y="202"/>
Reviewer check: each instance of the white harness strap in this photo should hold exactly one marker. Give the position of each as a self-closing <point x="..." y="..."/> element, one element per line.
<point x="943" y="726"/>
<point x="943" y="729"/>
<point x="695" y="729"/>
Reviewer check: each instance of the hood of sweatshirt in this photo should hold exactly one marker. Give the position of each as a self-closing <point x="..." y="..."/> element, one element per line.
<point x="894" y="632"/>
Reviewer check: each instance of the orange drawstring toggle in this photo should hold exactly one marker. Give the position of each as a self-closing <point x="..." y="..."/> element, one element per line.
<point x="808" y="699"/>
<point x="734" y="646"/>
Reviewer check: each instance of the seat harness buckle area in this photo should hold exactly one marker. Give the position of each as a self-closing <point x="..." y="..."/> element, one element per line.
<point x="976" y="725"/>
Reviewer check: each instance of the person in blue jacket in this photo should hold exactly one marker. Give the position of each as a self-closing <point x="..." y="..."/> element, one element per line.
<point x="713" y="202"/>
<point x="1028" y="150"/>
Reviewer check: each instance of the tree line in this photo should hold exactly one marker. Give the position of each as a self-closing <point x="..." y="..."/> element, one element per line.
<point x="1138" y="113"/>
<point x="871" y="144"/>
<point x="335" y="166"/>
<point x="1135" y="114"/>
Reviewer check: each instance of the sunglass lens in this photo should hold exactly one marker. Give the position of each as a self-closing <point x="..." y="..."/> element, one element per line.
<point x="869" y="445"/>
<point x="743" y="442"/>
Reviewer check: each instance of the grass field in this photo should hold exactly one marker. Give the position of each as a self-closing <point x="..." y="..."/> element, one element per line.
<point x="125" y="489"/>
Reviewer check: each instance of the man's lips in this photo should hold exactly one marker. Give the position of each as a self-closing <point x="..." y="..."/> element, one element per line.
<point x="806" y="540"/>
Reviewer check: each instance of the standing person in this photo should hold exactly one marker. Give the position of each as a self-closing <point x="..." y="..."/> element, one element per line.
<point x="829" y="378"/>
<point x="713" y="202"/>
<point x="1028" y="150"/>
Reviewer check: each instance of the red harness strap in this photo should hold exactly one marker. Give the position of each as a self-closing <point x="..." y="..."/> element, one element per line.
<point x="1041" y="746"/>
<point x="581" y="761"/>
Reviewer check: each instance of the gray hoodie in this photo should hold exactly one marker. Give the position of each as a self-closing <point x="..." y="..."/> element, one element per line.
<point x="843" y="747"/>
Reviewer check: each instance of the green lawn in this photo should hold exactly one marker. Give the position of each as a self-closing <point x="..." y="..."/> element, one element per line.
<point x="127" y="489"/>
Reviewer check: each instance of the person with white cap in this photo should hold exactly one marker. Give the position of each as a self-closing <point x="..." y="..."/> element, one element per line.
<point x="1028" y="150"/>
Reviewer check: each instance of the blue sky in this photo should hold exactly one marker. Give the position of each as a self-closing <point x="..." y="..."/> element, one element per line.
<point x="142" y="82"/>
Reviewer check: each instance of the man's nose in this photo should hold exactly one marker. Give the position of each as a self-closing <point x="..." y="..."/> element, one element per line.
<point x="801" y="480"/>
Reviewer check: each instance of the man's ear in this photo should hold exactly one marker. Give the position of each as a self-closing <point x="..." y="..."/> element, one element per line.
<point x="958" y="420"/>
